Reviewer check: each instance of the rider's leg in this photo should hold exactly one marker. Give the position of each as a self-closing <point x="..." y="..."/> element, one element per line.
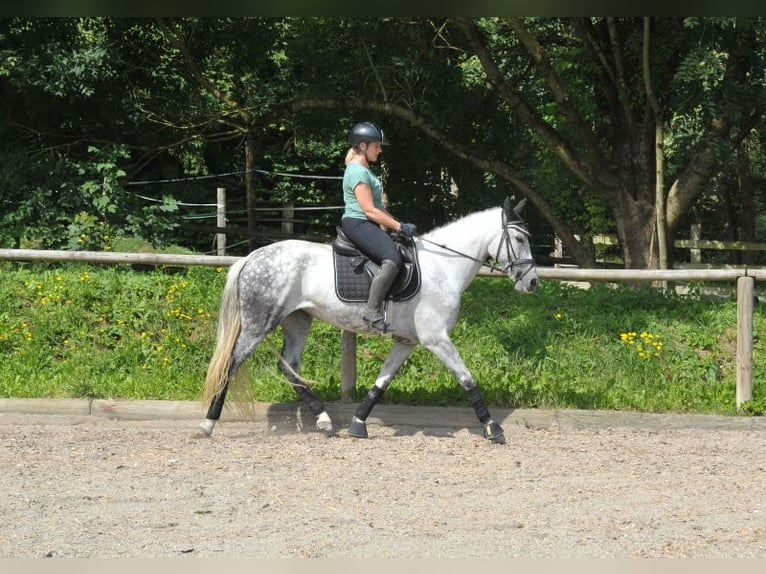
<point x="378" y="245"/>
<point x="381" y="283"/>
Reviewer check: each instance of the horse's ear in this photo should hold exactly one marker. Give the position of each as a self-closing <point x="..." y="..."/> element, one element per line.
<point x="507" y="207"/>
<point x="519" y="207"/>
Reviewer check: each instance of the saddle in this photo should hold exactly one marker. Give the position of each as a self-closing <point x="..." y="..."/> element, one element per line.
<point x="354" y="270"/>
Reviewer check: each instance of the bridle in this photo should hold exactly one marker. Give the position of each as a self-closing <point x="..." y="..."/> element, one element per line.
<point x="514" y="261"/>
<point x="517" y="225"/>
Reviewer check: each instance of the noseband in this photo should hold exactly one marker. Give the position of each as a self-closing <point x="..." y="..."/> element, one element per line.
<point x="513" y="260"/>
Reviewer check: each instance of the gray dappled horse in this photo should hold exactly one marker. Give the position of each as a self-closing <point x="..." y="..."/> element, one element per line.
<point x="291" y="282"/>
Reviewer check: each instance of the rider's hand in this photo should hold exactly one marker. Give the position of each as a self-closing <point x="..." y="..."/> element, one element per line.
<point x="408" y="229"/>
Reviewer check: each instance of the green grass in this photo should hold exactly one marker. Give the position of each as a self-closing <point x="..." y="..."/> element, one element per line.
<point x="76" y="330"/>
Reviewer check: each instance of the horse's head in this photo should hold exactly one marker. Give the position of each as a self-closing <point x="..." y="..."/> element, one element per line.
<point x="514" y="253"/>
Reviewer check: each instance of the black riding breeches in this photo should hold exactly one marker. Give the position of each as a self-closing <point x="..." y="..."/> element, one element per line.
<point x="371" y="240"/>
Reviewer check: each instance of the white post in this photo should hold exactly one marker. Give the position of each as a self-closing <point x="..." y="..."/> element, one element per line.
<point x="558" y="249"/>
<point x="695" y="234"/>
<point x="347" y="364"/>
<point x="744" y="339"/>
<point x="221" y="220"/>
<point x="288" y="214"/>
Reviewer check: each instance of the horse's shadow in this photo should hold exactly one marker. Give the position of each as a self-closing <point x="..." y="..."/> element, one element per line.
<point x="404" y="420"/>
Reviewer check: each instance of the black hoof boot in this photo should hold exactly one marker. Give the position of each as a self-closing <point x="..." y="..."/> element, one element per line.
<point x="358" y="428"/>
<point x="494" y="432"/>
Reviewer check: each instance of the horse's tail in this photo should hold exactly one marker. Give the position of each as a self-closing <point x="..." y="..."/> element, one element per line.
<point x="228" y="331"/>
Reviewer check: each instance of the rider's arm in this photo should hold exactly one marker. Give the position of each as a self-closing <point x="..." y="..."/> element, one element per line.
<point x="363" y="194"/>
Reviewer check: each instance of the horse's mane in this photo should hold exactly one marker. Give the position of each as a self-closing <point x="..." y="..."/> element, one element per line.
<point x="467" y="220"/>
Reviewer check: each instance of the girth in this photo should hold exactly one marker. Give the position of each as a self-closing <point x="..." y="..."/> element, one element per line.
<point x="354" y="270"/>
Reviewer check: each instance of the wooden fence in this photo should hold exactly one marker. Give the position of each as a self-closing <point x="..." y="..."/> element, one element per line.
<point x="695" y="244"/>
<point x="743" y="278"/>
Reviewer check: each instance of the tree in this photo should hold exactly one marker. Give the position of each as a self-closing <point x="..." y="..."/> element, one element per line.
<point x="92" y="103"/>
<point x="604" y="139"/>
<point x="572" y="96"/>
<point x="51" y="72"/>
<point x="555" y="109"/>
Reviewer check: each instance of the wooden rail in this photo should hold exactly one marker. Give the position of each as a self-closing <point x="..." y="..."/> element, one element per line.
<point x="116" y="257"/>
<point x="743" y="278"/>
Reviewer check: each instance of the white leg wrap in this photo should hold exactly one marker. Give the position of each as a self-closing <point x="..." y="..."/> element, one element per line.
<point x="324" y="423"/>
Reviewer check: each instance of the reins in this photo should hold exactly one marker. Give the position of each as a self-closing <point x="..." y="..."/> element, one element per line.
<point x="513" y="260"/>
<point x="456" y="252"/>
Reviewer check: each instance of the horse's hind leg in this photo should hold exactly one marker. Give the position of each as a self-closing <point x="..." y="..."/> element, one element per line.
<point x="244" y="347"/>
<point x="295" y="331"/>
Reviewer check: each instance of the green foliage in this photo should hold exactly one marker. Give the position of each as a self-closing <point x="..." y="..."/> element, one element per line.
<point x="154" y="222"/>
<point x="756" y="407"/>
<point x="109" y="332"/>
<point x="85" y="331"/>
<point x="94" y="103"/>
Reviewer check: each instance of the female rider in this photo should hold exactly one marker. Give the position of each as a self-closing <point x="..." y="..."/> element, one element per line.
<point x="364" y="215"/>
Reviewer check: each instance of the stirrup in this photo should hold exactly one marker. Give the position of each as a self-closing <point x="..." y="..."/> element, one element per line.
<point x="379" y="324"/>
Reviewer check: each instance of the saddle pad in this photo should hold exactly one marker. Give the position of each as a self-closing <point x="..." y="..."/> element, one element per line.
<point x="352" y="281"/>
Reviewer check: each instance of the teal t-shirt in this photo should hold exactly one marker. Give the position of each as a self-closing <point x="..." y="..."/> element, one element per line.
<point x="355" y="174"/>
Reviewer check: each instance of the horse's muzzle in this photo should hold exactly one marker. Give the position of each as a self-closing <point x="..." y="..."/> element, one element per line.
<point x="525" y="281"/>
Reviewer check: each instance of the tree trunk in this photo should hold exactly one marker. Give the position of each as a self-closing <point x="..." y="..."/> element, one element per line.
<point x="659" y="152"/>
<point x="746" y="200"/>
<point x="729" y="213"/>
<point x="636" y="231"/>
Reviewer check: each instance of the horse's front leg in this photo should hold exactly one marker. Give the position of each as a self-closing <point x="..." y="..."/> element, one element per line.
<point x="396" y="357"/>
<point x="448" y="354"/>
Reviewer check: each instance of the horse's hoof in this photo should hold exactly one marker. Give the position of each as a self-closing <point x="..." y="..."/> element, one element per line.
<point x="494" y="432"/>
<point x="358" y="428"/>
<point x="205" y="429"/>
<point x="324" y="424"/>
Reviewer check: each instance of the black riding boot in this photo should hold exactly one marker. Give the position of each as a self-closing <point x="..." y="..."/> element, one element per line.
<point x="381" y="283"/>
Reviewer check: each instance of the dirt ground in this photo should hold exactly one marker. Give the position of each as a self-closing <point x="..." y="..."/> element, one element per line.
<point x="86" y="487"/>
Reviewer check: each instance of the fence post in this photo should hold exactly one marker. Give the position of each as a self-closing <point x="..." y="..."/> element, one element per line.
<point x="347" y="364"/>
<point x="745" y="287"/>
<point x="695" y="234"/>
<point x="558" y="249"/>
<point x="221" y="220"/>
<point x="288" y="216"/>
<point x="252" y="242"/>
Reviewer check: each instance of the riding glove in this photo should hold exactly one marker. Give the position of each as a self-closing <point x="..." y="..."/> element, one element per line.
<point x="408" y="229"/>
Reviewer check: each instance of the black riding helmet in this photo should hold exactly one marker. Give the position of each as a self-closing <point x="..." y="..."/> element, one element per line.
<point x="366" y="132"/>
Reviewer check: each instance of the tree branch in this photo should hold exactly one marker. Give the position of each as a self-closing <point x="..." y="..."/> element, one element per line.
<point x="692" y="179"/>
<point x="529" y="115"/>
<point x="659" y="150"/>
<point x="191" y="64"/>
<point x="560" y="95"/>
<point x="615" y="74"/>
